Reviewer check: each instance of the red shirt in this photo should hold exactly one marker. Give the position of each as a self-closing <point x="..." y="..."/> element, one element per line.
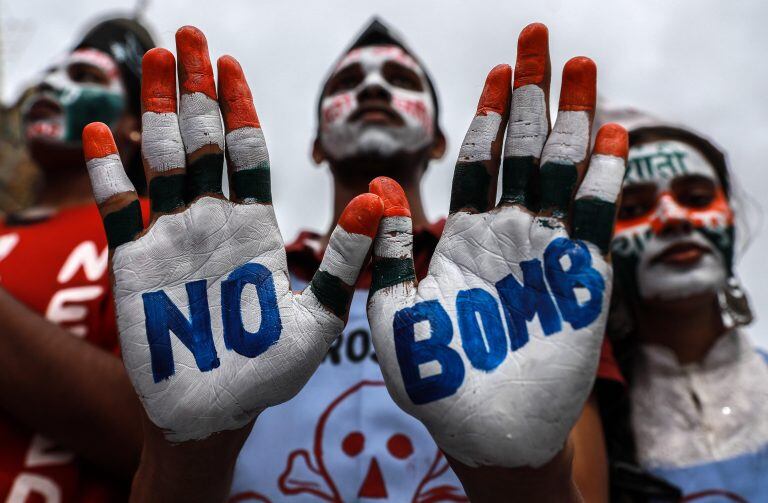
<point x="57" y="265"/>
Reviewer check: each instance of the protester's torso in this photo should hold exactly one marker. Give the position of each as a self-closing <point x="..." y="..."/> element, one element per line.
<point x="704" y="427"/>
<point x="57" y="265"/>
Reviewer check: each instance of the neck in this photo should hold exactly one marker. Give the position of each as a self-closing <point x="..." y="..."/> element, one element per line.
<point x="688" y="327"/>
<point x="65" y="186"/>
<point x="346" y="187"/>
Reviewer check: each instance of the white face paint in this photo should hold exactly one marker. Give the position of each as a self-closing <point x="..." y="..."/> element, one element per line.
<point x="406" y="102"/>
<point x="680" y="248"/>
<point x="85" y="86"/>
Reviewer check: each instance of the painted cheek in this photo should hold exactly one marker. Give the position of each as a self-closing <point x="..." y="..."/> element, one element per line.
<point x="417" y="108"/>
<point x="337" y="108"/>
<point x="715" y="216"/>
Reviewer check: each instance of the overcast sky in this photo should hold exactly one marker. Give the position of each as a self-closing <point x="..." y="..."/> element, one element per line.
<point x="698" y="62"/>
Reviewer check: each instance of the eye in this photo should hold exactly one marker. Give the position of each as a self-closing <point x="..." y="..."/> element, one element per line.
<point x="399" y="446"/>
<point x="694" y="191"/>
<point x="87" y="74"/>
<point x="636" y="201"/>
<point x="347" y="79"/>
<point x="402" y="77"/>
<point x="353" y="444"/>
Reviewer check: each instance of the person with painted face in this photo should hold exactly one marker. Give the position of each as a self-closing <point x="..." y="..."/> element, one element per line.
<point x="693" y="424"/>
<point x="63" y="385"/>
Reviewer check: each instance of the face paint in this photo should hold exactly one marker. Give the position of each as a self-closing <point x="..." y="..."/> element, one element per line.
<point x="674" y="236"/>
<point x="85" y="87"/>
<point x="400" y="119"/>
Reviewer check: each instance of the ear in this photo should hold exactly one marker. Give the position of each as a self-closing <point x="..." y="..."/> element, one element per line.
<point x="318" y="154"/>
<point x="438" y="146"/>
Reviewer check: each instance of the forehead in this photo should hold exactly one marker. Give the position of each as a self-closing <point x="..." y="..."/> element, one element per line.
<point x="662" y="161"/>
<point x="376" y="55"/>
<point x="93" y="57"/>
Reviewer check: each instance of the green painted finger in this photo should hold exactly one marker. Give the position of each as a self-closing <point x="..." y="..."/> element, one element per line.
<point x="113" y="191"/>
<point x="162" y="148"/>
<point x="248" y="158"/>
<point x="567" y="147"/>
<point x="334" y="282"/>
<point x="474" y="179"/>
<point x="528" y="119"/>
<point x="199" y="117"/>
<point x="594" y="209"/>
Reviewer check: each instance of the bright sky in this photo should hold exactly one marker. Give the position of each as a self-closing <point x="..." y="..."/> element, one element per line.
<point x="697" y="62"/>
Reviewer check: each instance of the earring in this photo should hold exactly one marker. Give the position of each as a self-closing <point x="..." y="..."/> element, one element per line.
<point x="734" y="304"/>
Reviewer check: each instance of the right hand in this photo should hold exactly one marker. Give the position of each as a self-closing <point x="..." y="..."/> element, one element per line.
<point x="210" y="331"/>
<point x="495" y="351"/>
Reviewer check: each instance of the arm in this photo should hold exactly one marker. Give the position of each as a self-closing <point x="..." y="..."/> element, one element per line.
<point x="67" y="389"/>
<point x="590" y="463"/>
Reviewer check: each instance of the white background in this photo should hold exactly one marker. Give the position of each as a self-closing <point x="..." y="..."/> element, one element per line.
<point x="698" y="62"/>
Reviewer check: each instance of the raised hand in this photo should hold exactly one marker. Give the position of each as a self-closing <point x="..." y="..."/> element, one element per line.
<point x="496" y="350"/>
<point x="210" y="332"/>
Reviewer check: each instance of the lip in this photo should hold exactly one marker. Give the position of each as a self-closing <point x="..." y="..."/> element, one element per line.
<point x="376" y="114"/>
<point x="42" y="109"/>
<point x="681" y="254"/>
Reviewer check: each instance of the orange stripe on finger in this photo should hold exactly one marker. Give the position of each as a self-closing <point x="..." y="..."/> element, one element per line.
<point x="393" y="196"/>
<point x="195" y="70"/>
<point x="496" y="91"/>
<point x="158" y="83"/>
<point x="236" y="99"/>
<point x="98" y="141"/>
<point x="579" y="88"/>
<point x="612" y="139"/>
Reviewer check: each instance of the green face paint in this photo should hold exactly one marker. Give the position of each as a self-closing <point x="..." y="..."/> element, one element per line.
<point x="85" y="87"/>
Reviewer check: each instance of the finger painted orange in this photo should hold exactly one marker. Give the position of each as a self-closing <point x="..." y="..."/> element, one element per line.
<point x="158" y="81"/>
<point x="235" y="99"/>
<point x="362" y="215"/>
<point x="195" y="70"/>
<point x="612" y="139"/>
<point x="98" y="141"/>
<point x="532" y="55"/>
<point x="579" y="89"/>
<point x="393" y="195"/>
<point x="496" y="92"/>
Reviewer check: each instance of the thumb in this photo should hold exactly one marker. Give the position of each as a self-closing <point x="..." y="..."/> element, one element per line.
<point x="333" y="283"/>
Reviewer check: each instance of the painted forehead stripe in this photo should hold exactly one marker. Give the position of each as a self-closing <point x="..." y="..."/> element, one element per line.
<point x="567" y="145"/>
<point x="528" y="121"/>
<point x="247" y="150"/>
<point x="594" y="208"/>
<point x="662" y="161"/>
<point x="379" y="54"/>
<point x="472" y="176"/>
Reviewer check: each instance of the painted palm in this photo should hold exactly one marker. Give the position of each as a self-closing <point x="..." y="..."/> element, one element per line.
<point x="210" y="332"/>
<point x="495" y="351"/>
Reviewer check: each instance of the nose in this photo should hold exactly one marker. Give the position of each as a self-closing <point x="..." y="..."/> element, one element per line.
<point x="373" y="91"/>
<point x="373" y="486"/>
<point x="670" y="218"/>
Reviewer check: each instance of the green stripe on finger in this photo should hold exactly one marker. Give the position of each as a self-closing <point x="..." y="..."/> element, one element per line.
<point x="593" y="222"/>
<point x="470" y="187"/>
<point x="253" y="185"/>
<point x="121" y="226"/>
<point x="331" y="292"/>
<point x="391" y="271"/>
<point x="204" y="176"/>
<point x="557" y="183"/>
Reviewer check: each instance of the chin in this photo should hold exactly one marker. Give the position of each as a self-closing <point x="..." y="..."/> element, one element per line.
<point x="663" y="282"/>
<point x="53" y="153"/>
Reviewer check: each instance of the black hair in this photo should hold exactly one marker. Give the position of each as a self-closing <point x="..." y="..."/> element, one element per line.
<point x="378" y="33"/>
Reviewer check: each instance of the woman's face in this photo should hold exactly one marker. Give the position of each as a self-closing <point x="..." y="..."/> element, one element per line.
<point x="674" y="233"/>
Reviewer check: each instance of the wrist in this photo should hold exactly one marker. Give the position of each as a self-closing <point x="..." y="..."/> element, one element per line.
<point x="551" y="482"/>
<point x="190" y="471"/>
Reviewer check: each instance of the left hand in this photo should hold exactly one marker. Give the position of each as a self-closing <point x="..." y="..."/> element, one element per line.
<point x="496" y="349"/>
